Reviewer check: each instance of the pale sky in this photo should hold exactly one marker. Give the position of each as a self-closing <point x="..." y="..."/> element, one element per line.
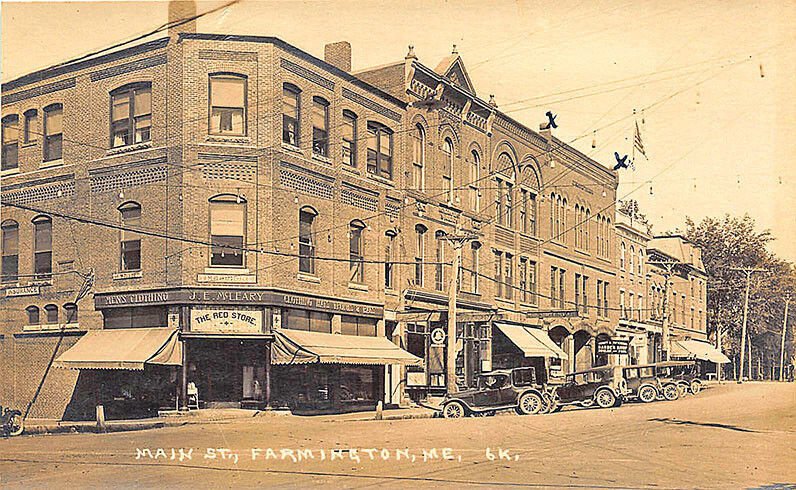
<point x="720" y="138"/>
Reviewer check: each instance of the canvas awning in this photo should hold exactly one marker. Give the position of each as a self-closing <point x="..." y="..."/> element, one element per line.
<point x="698" y="349"/>
<point x="302" y="347"/>
<point x="123" y="348"/>
<point x="533" y="342"/>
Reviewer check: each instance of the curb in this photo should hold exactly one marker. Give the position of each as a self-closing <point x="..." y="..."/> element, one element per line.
<point x="93" y="429"/>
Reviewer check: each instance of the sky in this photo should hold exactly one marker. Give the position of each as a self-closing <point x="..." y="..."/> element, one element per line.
<point x="716" y="79"/>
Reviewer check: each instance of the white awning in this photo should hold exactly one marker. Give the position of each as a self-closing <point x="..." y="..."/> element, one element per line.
<point x="699" y="350"/>
<point x="533" y="342"/>
<point x="123" y="348"/>
<point x="302" y="347"/>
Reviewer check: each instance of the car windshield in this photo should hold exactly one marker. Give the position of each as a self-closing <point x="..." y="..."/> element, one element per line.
<point x="524" y="377"/>
<point x="492" y="381"/>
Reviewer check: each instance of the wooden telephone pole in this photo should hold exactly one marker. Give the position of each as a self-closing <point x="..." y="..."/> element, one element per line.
<point x="457" y="242"/>
<point x="748" y="271"/>
<point x="782" y="344"/>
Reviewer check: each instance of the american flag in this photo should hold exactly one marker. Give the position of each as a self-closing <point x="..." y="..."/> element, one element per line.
<point x="637" y="144"/>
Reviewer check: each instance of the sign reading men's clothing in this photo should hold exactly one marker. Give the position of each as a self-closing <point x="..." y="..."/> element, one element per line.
<point x="226" y="321"/>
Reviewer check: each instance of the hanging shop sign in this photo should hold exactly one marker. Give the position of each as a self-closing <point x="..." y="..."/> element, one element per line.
<point x="613" y="346"/>
<point x="23" y="291"/>
<point x="226" y="321"/>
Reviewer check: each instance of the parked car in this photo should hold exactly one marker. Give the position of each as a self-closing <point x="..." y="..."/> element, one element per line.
<point x="642" y="383"/>
<point x="687" y="374"/>
<point x="603" y="386"/>
<point x="669" y="375"/>
<point x="516" y="389"/>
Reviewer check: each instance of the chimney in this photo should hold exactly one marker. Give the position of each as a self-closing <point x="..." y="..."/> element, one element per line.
<point x="180" y="10"/>
<point x="338" y="54"/>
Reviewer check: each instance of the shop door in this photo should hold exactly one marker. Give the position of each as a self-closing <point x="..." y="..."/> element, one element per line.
<point x="252" y="382"/>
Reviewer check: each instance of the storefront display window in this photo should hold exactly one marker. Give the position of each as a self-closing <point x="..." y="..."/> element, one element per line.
<point x="352" y="325"/>
<point x="356" y="384"/>
<point x="312" y="321"/>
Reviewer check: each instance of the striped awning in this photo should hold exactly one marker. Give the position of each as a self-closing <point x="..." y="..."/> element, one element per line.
<point x="302" y="347"/>
<point x="533" y="342"/>
<point x="123" y="348"/>
<point x="699" y="350"/>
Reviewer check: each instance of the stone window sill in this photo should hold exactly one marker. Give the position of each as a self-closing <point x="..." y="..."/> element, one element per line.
<point x="291" y="148"/>
<point x="119" y="276"/>
<point x="227" y="270"/>
<point x="10" y="171"/>
<point x="50" y="327"/>
<point x="381" y="180"/>
<point x="306" y="277"/>
<point x="230" y="140"/>
<point x="321" y="158"/>
<point x="129" y="148"/>
<point x="52" y="163"/>
<point x="352" y="170"/>
<point x="358" y="286"/>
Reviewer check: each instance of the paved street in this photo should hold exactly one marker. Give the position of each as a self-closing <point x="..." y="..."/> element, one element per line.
<point x="729" y="436"/>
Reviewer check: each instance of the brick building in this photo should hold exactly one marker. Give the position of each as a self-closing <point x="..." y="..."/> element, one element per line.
<point x="259" y="224"/>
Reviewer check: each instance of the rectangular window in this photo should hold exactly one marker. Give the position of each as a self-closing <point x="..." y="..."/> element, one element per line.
<point x="585" y="295"/>
<point x="320" y="127"/>
<point x="306" y="242"/>
<point x="349" y="139"/>
<point x="509" y="278"/>
<point x="524" y="210"/>
<point x="356" y="255"/>
<point x="499" y="201"/>
<point x="508" y="217"/>
<point x="290" y="115"/>
<point x="131" y="115"/>
<point x="474" y="274"/>
<point x="227" y="233"/>
<point x="10" y="244"/>
<point x="42" y="248"/>
<point x="622" y="311"/>
<point x="388" y="261"/>
<point x="439" y="270"/>
<point x="499" y="273"/>
<point x="130" y="251"/>
<point x="379" y="150"/>
<point x="352" y="325"/>
<point x="553" y="284"/>
<point x="31" y="130"/>
<point x="605" y="299"/>
<point x="522" y="275"/>
<point x="599" y="297"/>
<point x="228" y="105"/>
<point x="561" y="287"/>
<point x="532" y="214"/>
<point x="10" y="142"/>
<point x="577" y="292"/>
<point x="420" y="252"/>
<point x="53" y="132"/>
<point x="532" y="283"/>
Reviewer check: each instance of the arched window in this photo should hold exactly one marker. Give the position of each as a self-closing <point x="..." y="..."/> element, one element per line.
<point x="622" y="253"/>
<point x="227" y="104"/>
<point x="552" y="216"/>
<point x="632" y="259"/>
<point x="420" y="253"/>
<point x="307" y="217"/>
<point x="608" y="237"/>
<point x="640" y="262"/>
<point x="30" y="132"/>
<point x="475" y="249"/>
<point x="389" y="251"/>
<point x="131" y="114"/>
<point x="291" y="108"/>
<point x="70" y="313"/>
<point x="564" y="220"/>
<point x="227" y="231"/>
<point x="10" y="243"/>
<point x="10" y="142"/>
<point x="474" y="179"/>
<point x="356" y="252"/>
<point x="349" y="138"/>
<point x="439" y="268"/>
<point x="586" y="226"/>
<point x="578" y="230"/>
<point x="504" y="193"/>
<point x="557" y="234"/>
<point x="379" y="150"/>
<point x="33" y="315"/>
<point x="51" y="312"/>
<point x="42" y="247"/>
<point x="53" y="132"/>
<point x="447" y="168"/>
<point x="130" y="241"/>
<point x="419" y="158"/>
<point x="320" y="126"/>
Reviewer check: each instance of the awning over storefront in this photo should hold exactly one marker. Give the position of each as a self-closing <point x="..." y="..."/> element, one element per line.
<point x="302" y="347"/>
<point x="698" y="349"/>
<point x="123" y="348"/>
<point x="533" y="342"/>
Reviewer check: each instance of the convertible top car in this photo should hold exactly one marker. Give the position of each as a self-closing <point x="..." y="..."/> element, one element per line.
<point x="603" y="386"/>
<point x="504" y="389"/>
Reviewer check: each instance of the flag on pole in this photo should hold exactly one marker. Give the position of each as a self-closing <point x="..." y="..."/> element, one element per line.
<point x="637" y="144"/>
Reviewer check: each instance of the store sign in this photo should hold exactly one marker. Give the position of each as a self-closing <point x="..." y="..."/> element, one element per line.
<point x="311" y="303"/>
<point x="438" y="336"/>
<point x="613" y="346"/>
<point x="23" y="291"/>
<point x="226" y="321"/>
<point x="552" y="313"/>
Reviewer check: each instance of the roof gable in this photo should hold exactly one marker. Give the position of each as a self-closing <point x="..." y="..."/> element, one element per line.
<point x="452" y="68"/>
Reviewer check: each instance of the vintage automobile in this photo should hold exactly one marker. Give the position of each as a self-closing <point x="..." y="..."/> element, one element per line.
<point x="642" y="383"/>
<point x="683" y="374"/>
<point x="602" y="386"/>
<point x="516" y="389"/>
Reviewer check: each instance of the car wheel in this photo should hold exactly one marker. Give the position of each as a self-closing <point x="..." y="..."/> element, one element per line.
<point x="696" y="387"/>
<point x="605" y="398"/>
<point x="529" y="404"/>
<point x="17" y="426"/>
<point x="671" y="392"/>
<point x="647" y="394"/>
<point x="682" y="389"/>
<point x="454" y="410"/>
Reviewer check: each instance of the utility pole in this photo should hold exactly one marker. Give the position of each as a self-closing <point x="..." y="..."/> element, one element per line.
<point x="457" y="242"/>
<point x="748" y="271"/>
<point x="718" y="346"/>
<point x="782" y="343"/>
<point x="668" y="270"/>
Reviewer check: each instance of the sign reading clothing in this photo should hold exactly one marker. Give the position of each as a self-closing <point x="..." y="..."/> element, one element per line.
<point x="227" y="321"/>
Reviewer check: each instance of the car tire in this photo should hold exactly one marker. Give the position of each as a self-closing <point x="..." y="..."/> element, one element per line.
<point x="647" y="394"/>
<point x="696" y="387"/>
<point x="454" y="410"/>
<point x="682" y="389"/>
<point x="529" y="404"/>
<point x="605" y="398"/>
<point x="671" y="392"/>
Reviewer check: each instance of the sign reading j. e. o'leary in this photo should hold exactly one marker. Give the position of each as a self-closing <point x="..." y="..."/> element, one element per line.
<point x="229" y="321"/>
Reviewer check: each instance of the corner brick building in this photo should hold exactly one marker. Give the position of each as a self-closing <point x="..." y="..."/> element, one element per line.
<point x="266" y="227"/>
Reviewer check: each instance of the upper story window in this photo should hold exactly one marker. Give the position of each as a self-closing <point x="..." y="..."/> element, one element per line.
<point x="419" y="158"/>
<point x="640" y="262"/>
<point x="131" y="114"/>
<point x="290" y="114"/>
<point x="130" y="241"/>
<point x="320" y="126"/>
<point x="227" y="231"/>
<point x="10" y="142"/>
<point x="30" y="131"/>
<point x="528" y="212"/>
<point x="474" y="179"/>
<point x="307" y="217"/>
<point x="53" y="132"/>
<point x="356" y="252"/>
<point x="586" y="227"/>
<point x="379" y="150"/>
<point x="504" y="208"/>
<point x="389" y="253"/>
<point x="475" y="250"/>
<point x="420" y="253"/>
<point x="349" y="138"/>
<point x="632" y="259"/>
<point x="51" y="314"/>
<point x="33" y="315"/>
<point x="70" y="313"/>
<point x="447" y="169"/>
<point x="10" y="244"/>
<point x="623" y="252"/>
<point x="439" y="269"/>
<point x="42" y="247"/>
<point x="227" y="104"/>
